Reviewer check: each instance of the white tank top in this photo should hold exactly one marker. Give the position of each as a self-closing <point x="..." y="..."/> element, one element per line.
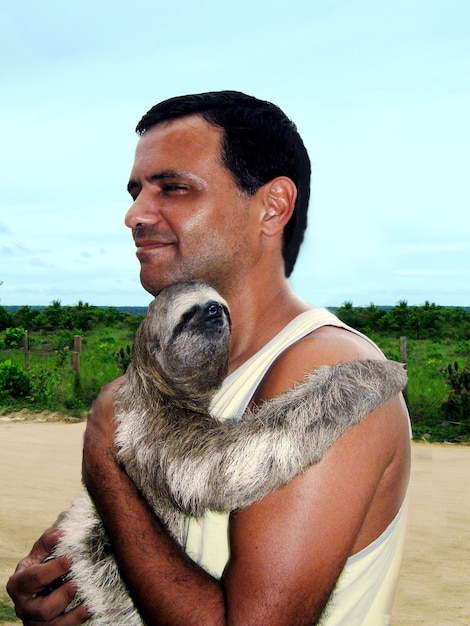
<point x="363" y="595"/>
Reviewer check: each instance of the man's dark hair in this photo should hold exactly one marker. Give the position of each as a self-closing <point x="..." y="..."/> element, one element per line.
<point x="259" y="144"/>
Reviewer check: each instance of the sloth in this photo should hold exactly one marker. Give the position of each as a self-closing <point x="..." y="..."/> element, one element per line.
<point x="186" y="462"/>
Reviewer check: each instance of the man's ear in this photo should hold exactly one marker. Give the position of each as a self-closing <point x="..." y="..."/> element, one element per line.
<point x="279" y="197"/>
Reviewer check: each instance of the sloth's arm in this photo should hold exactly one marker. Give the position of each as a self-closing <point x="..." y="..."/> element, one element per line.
<point x="229" y="465"/>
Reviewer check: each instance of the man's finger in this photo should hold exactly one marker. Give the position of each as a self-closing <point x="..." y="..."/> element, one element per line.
<point x="30" y="580"/>
<point x="50" y="609"/>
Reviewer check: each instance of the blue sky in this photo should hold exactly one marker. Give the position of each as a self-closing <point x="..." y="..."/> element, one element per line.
<point x="380" y="92"/>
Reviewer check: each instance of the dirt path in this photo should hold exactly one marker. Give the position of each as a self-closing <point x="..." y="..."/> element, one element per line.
<point x="434" y="585"/>
<point x="40" y="473"/>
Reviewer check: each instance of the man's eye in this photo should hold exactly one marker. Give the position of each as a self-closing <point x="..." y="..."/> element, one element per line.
<point x="175" y="187"/>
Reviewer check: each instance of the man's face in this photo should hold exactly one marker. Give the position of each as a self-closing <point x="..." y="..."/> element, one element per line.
<point x="189" y="219"/>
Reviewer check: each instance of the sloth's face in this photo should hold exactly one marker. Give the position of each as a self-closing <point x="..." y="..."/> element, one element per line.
<point x="188" y="326"/>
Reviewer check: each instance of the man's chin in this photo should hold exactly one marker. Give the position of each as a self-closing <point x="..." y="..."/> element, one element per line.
<point x="152" y="288"/>
<point x="155" y="283"/>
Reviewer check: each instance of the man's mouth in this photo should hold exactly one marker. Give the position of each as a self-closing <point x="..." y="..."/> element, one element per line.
<point x="150" y="242"/>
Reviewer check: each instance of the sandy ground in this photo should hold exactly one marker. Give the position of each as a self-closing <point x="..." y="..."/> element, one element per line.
<point x="40" y="473"/>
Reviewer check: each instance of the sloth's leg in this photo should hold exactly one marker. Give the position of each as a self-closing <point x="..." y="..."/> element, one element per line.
<point x="229" y="465"/>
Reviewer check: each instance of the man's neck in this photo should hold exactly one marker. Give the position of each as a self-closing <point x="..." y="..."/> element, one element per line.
<point x="258" y="314"/>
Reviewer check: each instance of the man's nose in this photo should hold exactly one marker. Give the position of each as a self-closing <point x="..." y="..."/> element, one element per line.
<point x="142" y="211"/>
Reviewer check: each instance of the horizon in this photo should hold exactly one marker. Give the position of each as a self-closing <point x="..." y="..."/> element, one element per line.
<point x="144" y="307"/>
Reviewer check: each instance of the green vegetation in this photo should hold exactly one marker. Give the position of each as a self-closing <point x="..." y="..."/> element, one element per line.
<point x="437" y="337"/>
<point x="7" y="612"/>
<point x="429" y="321"/>
<point x="438" y="348"/>
<point x="44" y="379"/>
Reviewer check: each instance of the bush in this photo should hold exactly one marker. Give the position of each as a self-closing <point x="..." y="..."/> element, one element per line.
<point x="49" y="383"/>
<point x="5" y="318"/>
<point x="14" y="381"/>
<point x="123" y="358"/>
<point x="450" y="420"/>
<point x="456" y="409"/>
<point x="65" y="340"/>
<point x="14" y="337"/>
<point x="47" y="388"/>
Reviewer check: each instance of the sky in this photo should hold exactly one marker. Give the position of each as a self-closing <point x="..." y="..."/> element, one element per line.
<point x="379" y="91"/>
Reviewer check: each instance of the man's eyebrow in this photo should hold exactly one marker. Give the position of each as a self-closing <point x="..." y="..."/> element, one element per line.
<point x="188" y="176"/>
<point x="152" y="178"/>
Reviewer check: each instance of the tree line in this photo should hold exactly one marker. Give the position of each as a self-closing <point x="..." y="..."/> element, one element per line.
<point x="429" y="321"/>
<point x="81" y="317"/>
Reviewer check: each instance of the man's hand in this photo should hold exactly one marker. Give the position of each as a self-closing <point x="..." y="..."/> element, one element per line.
<point x="32" y="576"/>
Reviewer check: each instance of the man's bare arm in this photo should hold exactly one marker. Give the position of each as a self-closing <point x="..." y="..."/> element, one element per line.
<point x="166" y="585"/>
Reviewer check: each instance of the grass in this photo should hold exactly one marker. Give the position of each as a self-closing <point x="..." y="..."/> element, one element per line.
<point x="7" y="612"/>
<point x="54" y="384"/>
<point x="427" y="361"/>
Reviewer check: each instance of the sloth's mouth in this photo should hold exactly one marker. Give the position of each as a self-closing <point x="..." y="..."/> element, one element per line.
<point x="212" y="323"/>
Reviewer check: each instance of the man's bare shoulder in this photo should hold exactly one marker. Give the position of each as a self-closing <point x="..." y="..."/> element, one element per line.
<point x="329" y="345"/>
<point x="326" y="346"/>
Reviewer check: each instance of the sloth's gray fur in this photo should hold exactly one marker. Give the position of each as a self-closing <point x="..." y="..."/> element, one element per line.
<point x="186" y="462"/>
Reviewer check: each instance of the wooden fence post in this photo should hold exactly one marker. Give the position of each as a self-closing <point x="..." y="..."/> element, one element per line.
<point x="26" y="348"/>
<point x="77" y="348"/>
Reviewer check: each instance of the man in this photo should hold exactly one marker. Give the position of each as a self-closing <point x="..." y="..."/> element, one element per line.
<point x="220" y="186"/>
